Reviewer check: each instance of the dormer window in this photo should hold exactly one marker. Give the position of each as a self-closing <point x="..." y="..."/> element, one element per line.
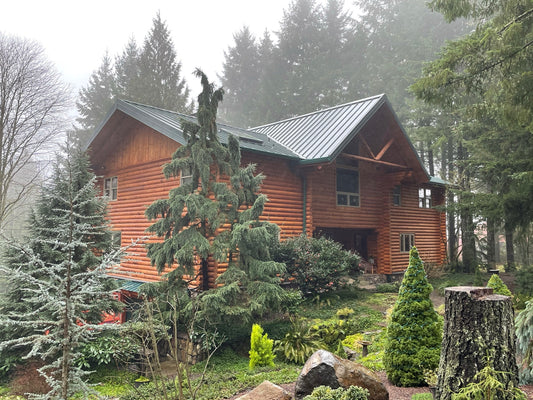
<point x="348" y="187"/>
<point x="111" y="188"/>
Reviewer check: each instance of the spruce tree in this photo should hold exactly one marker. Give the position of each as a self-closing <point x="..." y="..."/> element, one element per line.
<point x="414" y="332"/>
<point x="210" y="218"/>
<point x="58" y="287"/>
<point x="127" y="72"/>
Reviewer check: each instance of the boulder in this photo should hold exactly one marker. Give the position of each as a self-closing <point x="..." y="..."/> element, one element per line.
<point x="325" y="368"/>
<point x="267" y="391"/>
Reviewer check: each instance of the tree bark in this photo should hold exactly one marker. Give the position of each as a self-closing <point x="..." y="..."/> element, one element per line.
<point x="509" y="247"/>
<point x="477" y="323"/>
<point x="491" y="244"/>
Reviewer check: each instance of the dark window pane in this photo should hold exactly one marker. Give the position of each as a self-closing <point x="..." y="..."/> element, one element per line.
<point x="354" y="201"/>
<point x="347" y="181"/>
<point x="342" y="199"/>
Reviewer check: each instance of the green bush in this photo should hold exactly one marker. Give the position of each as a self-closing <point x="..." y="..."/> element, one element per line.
<point x="316" y="265"/>
<point x="524" y="336"/>
<point x="327" y="393"/>
<point x="388" y="287"/>
<point x="414" y="332"/>
<point x="499" y="287"/>
<point x="106" y="348"/>
<point x="260" y="348"/>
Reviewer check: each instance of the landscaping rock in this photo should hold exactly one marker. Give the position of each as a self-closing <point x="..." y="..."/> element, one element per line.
<point x="267" y="391"/>
<point x="325" y="368"/>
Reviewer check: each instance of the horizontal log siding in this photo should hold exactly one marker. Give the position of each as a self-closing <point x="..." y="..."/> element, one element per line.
<point x="283" y="188"/>
<point x="426" y="224"/>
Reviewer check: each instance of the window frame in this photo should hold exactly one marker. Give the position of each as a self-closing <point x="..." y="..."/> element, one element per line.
<point x="111" y="188"/>
<point x="425" y="199"/>
<point x="349" y="195"/>
<point x="410" y="238"/>
<point x="185" y="176"/>
<point x="397" y="195"/>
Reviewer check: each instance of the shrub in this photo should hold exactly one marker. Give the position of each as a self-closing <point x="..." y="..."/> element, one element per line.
<point x="344" y="313"/>
<point x="111" y="346"/>
<point x="316" y="265"/>
<point x="524" y="280"/>
<point x="298" y="344"/>
<point x="260" y="348"/>
<point x="414" y="333"/>
<point x="327" y="393"/>
<point x="329" y="333"/>
<point x="499" y="287"/>
<point x="524" y="335"/>
<point x="388" y="287"/>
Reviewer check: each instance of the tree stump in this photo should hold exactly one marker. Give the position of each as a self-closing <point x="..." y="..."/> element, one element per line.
<point x="478" y="324"/>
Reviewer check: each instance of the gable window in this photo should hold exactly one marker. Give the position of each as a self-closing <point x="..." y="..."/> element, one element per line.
<point x="424" y="198"/>
<point x="348" y="187"/>
<point x="186" y="176"/>
<point x="407" y="240"/>
<point x="397" y="195"/>
<point x="111" y="188"/>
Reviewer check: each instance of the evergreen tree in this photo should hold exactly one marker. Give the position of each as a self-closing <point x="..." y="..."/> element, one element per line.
<point x="161" y="84"/>
<point x="95" y="99"/>
<point x="208" y="218"/>
<point x="127" y="72"/>
<point x="240" y="79"/>
<point x="414" y="332"/>
<point x="57" y="282"/>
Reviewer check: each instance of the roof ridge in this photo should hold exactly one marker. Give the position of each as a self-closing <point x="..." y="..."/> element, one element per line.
<point x="321" y="111"/>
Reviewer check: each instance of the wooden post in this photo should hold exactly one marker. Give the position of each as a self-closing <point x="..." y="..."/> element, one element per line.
<point x="477" y="324"/>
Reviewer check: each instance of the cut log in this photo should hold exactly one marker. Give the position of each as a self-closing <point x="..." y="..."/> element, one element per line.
<point x="478" y="324"/>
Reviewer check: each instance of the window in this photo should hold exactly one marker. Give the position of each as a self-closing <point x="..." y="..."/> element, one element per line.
<point x="116" y="239"/>
<point x="186" y="176"/>
<point x="424" y="198"/>
<point x="111" y="188"/>
<point x="397" y="195"/>
<point x="348" y="187"/>
<point x="407" y="240"/>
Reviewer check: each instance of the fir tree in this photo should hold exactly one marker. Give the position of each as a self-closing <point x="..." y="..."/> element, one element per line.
<point x="414" y="332"/>
<point x="161" y="84"/>
<point x="96" y="98"/>
<point x="127" y="72"/>
<point x="58" y="287"/>
<point x="206" y="217"/>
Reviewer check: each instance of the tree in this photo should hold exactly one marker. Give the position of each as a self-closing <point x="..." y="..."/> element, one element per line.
<point x="161" y="84"/>
<point x="486" y="74"/>
<point x="58" y="286"/>
<point x="414" y="330"/>
<point x="208" y="218"/>
<point x="127" y="72"/>
<point x="33" y="100"/>
<point x="95" y="99"/>
<point x="240" y="73"/>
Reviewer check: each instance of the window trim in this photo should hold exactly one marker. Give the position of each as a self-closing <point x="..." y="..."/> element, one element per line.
<point x="411" y="239"/>
<point x="348" y="194"/>
<point x="425" y="199"/>
<point x="397" y="195"/>
<point x="185" y="176"/>
<point x="111" y="188"/>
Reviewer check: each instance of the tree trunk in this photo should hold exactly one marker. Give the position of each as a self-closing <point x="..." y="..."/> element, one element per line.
<point x="491" y="244"/>
<point x="509" y="247"/>
<point x="468" y="241"/>
<point x="478" y="323"/>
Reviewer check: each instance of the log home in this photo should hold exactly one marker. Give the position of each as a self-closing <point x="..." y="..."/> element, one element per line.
<point x="349" y="172"/>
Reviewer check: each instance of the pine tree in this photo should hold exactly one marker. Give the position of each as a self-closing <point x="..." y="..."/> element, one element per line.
<point x="414" y="332"/>
<point x="206" y="218"/>
<point x="161" y="84"/>
<point x="96" y="99"/>
<point x="58" y="287"/>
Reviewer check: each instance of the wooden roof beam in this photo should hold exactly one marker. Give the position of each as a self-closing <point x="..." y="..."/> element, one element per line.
<point x="384" y="149"/>
<point x="371" y="160"/>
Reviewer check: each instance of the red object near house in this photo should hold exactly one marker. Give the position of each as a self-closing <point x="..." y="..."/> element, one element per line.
<point x="349" y="172"/>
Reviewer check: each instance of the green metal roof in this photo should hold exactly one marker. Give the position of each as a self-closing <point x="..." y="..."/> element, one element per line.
<point x="129" y="285"/>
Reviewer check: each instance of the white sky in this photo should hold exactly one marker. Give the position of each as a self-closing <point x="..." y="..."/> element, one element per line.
<point x="76" y="34"/>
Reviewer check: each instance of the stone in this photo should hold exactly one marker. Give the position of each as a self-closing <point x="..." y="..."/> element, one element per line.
<point x="325" y="368"/>
<point x="267" y="391"/>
